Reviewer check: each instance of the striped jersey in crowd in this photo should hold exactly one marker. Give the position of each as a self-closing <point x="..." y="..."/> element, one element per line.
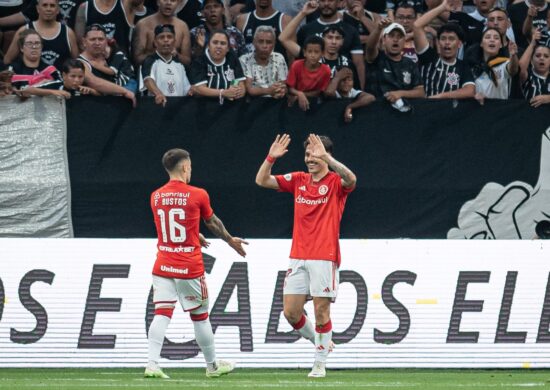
<point x="439" y="76"/>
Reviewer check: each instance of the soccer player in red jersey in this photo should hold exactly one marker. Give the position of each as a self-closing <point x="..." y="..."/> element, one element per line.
<point x="319" y="199"/>
<point x="178" y="273"/>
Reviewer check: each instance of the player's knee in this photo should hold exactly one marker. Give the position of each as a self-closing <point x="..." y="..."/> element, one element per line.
<point x="292" y="315"/>
<point x="322" y="313"/>
<point x="166" y="311"/>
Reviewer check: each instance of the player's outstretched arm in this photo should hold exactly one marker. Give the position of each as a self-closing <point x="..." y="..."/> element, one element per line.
<point x="264" y="178"/>
<point x="318" y="151"/>
<point x="215" y="225"/>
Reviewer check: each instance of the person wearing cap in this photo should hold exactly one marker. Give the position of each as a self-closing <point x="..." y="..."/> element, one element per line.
<point x="162" y="74"/>
<point x="106" y="61"/>
<point x="443" y="74"/>
<point x="144" y="36"/>
<point x="351" y="48"/>
<point x="213" y="12"/>
<point x="264" y="68"/>
<point x="333" y="35"/>
<point x="397" y="77"/>
<point x="97" y="73"/>
<point x="116" y="17"/>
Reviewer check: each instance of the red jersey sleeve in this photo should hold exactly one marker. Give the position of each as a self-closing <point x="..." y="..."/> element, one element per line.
<point x="206" y="209"/>
<point x="291" y="79"/>
<point x="325" y="78"/>
<point x="287" y="182"/>
<point x="341" y="189"/>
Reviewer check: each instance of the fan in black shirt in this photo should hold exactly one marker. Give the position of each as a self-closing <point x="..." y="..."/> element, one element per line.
<point x="352" y="46"/>
<point x="397" y="77"/>
<point x="519" y="15"/>
<point x="218" y="72"/>
<point x="444" y="76"/>
<point x="534" y="73"/>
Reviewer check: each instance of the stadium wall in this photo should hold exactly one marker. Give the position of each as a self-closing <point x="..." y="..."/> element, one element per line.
<point x="401" y="303"/>
<point x="447" y="170"/>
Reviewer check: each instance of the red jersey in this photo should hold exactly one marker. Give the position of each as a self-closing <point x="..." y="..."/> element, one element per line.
<point x="306" y="80"/>
<point x="178" y="209"/>
<point x="318" y="209"/>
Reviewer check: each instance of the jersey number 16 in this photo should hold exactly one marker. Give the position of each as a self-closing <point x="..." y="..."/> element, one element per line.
<point x="175" y="229"/>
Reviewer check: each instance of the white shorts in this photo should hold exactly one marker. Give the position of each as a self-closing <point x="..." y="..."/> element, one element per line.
<point x="314" y="278"/>
<point x="191" y="293"/>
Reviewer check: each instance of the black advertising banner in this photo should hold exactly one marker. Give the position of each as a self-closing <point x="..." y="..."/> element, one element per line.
<point x="445" y="170"/>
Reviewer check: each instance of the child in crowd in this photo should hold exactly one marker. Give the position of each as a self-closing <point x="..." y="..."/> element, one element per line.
<point x="341" y="87"/>
<point x="308" y="77"/>
<point x="73" y="79"/>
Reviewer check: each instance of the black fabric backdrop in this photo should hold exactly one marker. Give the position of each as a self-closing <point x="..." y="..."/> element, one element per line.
<point x="414" y="170"/>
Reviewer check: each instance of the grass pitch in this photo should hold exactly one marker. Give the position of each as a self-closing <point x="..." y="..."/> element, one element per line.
<point x="242" y="379"/>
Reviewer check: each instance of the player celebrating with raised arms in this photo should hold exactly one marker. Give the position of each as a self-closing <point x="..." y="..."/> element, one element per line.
<point x="319" y="199"/>
<point x="178" y="273"/>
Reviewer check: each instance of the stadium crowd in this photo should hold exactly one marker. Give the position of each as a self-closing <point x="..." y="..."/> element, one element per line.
<point x="360" y="50"/>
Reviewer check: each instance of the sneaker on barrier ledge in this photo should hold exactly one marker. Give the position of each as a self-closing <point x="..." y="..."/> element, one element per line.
<point x="224" y="367"/>
<point x="154" y="371"/>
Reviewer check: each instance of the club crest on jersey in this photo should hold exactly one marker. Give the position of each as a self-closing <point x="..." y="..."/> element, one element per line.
<point x="323" y="190"/>
<point x="452" y="78"/>
<point x="157" y="197"/>
<point x="171" y="86"/>
<point x="230" y="75"/>
<point x="407" y="77"/>
<point x="288" y="177"/>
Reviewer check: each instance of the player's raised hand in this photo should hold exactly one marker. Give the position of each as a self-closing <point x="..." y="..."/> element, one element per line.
<point x="237" y="244"/>
<point x="316" y="147"/>
<point x="279" y="146"/>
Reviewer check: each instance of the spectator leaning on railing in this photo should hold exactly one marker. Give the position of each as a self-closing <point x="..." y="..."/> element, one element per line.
<point x="308" y="77"/>
<point x="98" y="74"/>
<point x="397" y="77"/>
<point x="265" y="69"/>
<point x="218" y="72"/>
<point x="493" y="75"/>
<point x="443" y="74"/>
<point x="162" y="74"/>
